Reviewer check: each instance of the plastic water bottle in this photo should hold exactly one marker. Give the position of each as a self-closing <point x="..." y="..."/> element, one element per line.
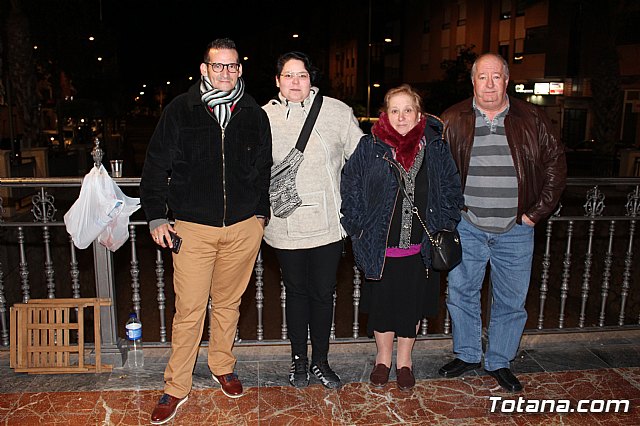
<point x="135" y="356"/>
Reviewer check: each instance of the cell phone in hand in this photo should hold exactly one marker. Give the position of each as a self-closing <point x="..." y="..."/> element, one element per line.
<point x="176" y="241"/>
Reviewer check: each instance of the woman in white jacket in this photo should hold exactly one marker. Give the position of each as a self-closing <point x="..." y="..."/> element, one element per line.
<point x="308" y="243"/>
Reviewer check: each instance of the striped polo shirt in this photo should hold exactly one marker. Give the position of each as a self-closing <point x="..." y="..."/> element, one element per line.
<point x="491" y="190"/>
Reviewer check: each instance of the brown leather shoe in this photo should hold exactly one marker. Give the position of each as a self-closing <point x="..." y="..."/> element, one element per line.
<point x="405" y="379"/>
<point x="230" y="384"/>
<point x="379" y="375"/>
<point x="166" y="408"/>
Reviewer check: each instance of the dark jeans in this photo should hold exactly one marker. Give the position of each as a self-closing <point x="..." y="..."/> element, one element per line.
<point x="309" y="277"/>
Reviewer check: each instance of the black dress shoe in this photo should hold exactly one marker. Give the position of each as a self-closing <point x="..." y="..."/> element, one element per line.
<point x="457" y="367"/>
<point x="506" y="379"/>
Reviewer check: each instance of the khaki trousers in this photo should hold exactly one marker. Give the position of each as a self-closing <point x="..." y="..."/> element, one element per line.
<point x="213" y="262"/>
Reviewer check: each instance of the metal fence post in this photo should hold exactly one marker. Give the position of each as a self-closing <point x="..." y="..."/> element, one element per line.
<point x="112" y="348"/>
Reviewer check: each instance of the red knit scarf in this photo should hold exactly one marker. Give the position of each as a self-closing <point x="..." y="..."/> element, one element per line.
<point x="406" y="147"/>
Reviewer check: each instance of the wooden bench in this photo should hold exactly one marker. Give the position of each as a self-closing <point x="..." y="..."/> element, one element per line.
<point x="43" y="336"/>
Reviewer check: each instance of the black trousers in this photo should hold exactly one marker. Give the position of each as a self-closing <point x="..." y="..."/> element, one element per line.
<point x="309" y="277"/>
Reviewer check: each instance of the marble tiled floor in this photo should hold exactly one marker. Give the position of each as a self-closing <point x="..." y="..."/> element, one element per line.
<point x="595" y="370"/>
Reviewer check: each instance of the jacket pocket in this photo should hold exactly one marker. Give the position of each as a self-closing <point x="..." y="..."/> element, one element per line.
<point x="310" y="219"/>
<point x="244" y="145"/>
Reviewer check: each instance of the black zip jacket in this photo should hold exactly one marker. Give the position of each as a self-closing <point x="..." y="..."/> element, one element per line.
<point x="217" y="178"/>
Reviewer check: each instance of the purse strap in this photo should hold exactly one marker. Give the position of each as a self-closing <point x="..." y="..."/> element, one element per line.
<point x="308" y="123"/>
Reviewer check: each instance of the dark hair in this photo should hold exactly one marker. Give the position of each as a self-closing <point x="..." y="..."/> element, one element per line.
<point x="220" y="43"/>
<point x="286" y="57"/>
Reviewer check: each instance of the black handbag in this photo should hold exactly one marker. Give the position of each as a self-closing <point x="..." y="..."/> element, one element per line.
<point x="283" y="194"/>
<point x="446" y="249"/>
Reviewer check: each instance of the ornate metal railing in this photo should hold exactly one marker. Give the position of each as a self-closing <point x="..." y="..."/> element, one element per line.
<point x="585" y="275"/>
<point x="609" y="247"/>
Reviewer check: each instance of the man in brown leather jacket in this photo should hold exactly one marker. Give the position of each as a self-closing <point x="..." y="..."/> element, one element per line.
<point x="513" y="171"/>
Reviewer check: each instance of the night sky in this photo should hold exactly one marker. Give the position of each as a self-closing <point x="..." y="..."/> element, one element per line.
<point x="169" y="38"/>
<point x="160" y="40"/>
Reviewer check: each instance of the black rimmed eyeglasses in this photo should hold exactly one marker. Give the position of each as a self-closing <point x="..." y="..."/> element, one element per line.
<point x="218" y="67"/>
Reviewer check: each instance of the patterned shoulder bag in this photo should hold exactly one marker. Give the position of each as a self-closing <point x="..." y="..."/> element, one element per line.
<point x="282" y="189"/>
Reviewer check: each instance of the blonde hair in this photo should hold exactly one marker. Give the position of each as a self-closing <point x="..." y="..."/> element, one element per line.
<point x="404" y="89"/>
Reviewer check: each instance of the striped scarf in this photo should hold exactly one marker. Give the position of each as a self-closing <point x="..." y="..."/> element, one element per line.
<point x="220" y="101"/>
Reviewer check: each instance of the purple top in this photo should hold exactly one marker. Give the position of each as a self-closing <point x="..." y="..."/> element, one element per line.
<point x="400" y="252"/>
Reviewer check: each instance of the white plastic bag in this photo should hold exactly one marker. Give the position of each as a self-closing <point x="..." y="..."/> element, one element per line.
<point x="102" y="210"/>
<point x="117" y="231"/>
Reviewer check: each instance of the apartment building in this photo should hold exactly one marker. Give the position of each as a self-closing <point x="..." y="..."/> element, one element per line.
<point x="555" y="50"/>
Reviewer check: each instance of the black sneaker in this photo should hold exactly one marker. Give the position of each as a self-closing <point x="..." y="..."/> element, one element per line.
<point x="326" y="375"/>
<point x="298" y="374"/>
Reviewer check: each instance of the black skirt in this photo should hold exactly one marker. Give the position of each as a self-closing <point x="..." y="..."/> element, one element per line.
<point x="402" y="298"/>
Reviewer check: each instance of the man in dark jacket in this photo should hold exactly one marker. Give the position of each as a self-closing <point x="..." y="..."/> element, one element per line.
<point x="513" y="171"/>
<point x="214" y="143"/>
